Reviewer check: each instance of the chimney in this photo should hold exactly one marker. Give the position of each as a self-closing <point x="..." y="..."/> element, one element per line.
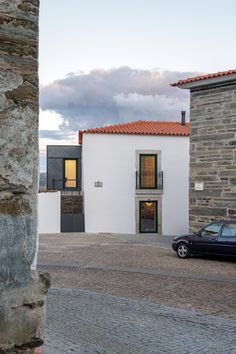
<point x="183" y="117"/>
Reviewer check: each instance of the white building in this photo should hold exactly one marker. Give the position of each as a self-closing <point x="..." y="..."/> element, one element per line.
<point x="136" y="178"/>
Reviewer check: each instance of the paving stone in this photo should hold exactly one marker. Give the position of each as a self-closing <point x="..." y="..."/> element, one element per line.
<point x="109" y="274"/>
<point x="84" y="322"/>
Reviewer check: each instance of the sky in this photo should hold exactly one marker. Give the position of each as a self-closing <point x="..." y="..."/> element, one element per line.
<point x="106" y="62"/>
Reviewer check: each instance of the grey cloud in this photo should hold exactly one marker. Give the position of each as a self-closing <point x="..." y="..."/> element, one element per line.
<point x="114" y="96"/>
<point x="54" y="134"/>
<point x="56" y="137"/>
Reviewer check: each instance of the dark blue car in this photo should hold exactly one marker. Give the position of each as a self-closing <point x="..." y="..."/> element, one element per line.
<point x="217" y="238"/>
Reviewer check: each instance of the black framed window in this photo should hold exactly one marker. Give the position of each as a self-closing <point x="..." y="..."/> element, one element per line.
<point x="148" y="171"/>
<point x="148" y="219"/>
<point x="70" y="173"/>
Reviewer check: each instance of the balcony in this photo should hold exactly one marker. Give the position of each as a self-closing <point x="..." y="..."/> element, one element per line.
<point x="149" y="182"/>
<point x="65" y="184"/>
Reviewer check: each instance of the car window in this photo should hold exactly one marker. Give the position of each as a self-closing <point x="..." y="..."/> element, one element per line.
<point x="229" y="230"/>
<point x="211" y="230"/>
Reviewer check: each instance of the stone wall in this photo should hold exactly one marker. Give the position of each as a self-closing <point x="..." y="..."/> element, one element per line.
<point x="22" y="291"/>
<point x="213" y="154"/>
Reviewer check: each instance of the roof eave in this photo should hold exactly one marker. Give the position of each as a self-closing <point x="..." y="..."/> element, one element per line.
<point x="207" y="82"/>
<point x="81" y="134"/>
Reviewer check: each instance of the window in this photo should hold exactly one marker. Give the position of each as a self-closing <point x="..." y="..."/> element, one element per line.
<point x="148" y="217"/>
<point x="229" y="230"/>
<point x="148" y="171"/>
<point x="211" y="230"/>
<point x="70" y="173"/>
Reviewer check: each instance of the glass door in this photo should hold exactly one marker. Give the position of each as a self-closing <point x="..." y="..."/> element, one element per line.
<point x="148" y="217"/>
<point x="148" y="171"/>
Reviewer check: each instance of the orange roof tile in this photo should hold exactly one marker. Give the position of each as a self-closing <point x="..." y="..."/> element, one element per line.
<point x="141" y="127"/>
<point x="203" y="77"/>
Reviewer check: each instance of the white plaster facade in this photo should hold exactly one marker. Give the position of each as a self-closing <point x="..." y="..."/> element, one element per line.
<point x="49" y="212"/>
<point x="111" y="159"/>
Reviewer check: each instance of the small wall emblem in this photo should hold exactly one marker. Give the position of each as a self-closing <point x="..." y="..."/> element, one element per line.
<point x="98" y="184"/>
<point x="199" y="186"/>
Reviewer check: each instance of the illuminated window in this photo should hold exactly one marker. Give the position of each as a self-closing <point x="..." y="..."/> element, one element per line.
<point x="70" y="168"/>
<point x="148" y="171"/>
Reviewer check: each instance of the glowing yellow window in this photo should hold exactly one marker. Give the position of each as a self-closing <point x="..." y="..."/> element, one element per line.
<point x="70" y="173"/>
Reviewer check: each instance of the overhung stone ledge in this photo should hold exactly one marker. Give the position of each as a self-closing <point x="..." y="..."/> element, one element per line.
<point x="22" y="313"/>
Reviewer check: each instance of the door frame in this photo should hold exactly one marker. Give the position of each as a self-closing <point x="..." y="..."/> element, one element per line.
<point x="156" y="220"/>
<point x="150" y="191"/>
<point x="148" y="198"/>
<point x="64" y="171"/>
<point x="155" y="172"/>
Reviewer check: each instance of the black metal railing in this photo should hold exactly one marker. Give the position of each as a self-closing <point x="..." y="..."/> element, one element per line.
<point x="149" y="180"/>
<point x="65" y="183"/>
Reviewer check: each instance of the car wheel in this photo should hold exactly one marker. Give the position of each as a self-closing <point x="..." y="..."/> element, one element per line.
<point x="183" y="250"/>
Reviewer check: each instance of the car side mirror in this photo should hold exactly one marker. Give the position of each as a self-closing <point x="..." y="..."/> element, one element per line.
<point x="199" y="234"/>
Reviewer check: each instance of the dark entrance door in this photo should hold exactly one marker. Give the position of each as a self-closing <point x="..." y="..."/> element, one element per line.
<point x="148" y="217"/>
<point x="72" y="216"/>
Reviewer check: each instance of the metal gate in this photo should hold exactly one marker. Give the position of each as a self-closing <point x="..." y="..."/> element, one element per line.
<point x="72" y="212"/>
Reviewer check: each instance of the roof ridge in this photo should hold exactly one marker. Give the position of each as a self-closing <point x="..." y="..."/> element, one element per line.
<point x="142" y="127"/>
<point x="134" y="122"/>
<point x="113" y="125"/>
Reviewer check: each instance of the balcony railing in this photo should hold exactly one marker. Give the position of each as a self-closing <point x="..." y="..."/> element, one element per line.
<point x="149" y="180"/>
<point x="65" y="183"/>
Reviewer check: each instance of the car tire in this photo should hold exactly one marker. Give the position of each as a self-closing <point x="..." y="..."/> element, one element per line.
<point x="183" y="250"/>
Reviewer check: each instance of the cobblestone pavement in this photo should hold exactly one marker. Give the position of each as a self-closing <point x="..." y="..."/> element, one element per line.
<point x="143" y="268"/>
<point x="149" y="251"/>
<point x="86" y="322"/>
<point x="208" y="297"/>
<point x="119" y="293"/>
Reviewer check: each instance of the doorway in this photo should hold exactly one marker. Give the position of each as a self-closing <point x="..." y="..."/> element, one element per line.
<point x="148" y="216"/>
<point x="72" y="213"/>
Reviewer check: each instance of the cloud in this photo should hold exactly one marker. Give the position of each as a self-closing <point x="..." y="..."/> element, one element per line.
<point x="139" y="106"/>
<point x="53" y="134"/>
<point x="114" y="96"/>
<point x="54" y="137"/>
<point x="49" y="120"/>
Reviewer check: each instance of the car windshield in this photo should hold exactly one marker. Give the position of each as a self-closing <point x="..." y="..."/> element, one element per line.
<point x="211" y="230"/>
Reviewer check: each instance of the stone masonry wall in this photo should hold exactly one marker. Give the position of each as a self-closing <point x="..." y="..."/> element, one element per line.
<point x="213" y="155"/>
<point x="22" y="291"/>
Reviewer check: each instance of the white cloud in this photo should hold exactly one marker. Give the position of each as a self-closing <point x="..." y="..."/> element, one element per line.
<point x="50" y="134"/>
<point x="49" y="120"/>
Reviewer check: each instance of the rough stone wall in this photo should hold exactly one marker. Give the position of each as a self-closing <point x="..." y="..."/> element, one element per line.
<point x="22" y="292"/>
<point x="213" y="154"/>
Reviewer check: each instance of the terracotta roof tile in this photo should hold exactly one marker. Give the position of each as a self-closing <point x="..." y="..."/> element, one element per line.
<point x="141" y="127"/>
<point x="203" y="77"/>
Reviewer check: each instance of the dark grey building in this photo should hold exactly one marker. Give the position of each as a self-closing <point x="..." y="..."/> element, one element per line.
<point x="212" y="193"/>
<point x="64" y="167"/>
<point x="64" y="173"/>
